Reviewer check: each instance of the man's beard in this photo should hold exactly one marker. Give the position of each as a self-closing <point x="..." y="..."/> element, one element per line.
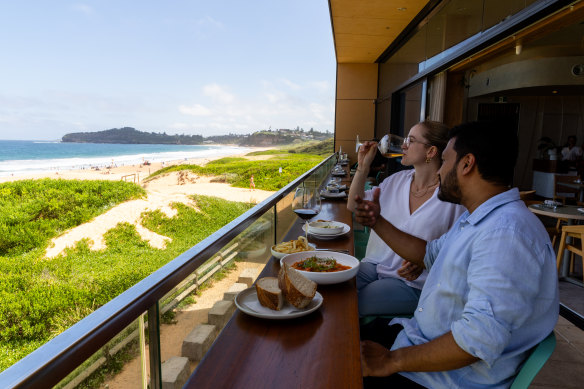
<point x="449" y="188"/>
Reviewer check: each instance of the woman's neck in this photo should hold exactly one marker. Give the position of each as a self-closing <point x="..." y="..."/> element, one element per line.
<point x="425" y="175"/>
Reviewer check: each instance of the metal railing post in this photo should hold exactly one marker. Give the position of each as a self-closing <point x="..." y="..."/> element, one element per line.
<point x="154" y="347"/>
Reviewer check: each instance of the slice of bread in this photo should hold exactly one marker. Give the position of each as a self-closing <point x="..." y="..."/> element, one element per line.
<point x="269" y="293"/>
<point x="298" y="290"/>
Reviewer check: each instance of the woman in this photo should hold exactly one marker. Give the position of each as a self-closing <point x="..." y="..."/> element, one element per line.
<point x="388" y="285"/>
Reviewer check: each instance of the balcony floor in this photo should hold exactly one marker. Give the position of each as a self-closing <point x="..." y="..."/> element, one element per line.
<point x="564" y="368"/>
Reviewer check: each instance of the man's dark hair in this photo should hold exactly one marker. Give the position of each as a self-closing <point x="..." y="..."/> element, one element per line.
<point x="495" y="148"/>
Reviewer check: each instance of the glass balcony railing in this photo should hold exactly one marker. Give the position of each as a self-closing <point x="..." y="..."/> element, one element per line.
<point x="130" y="324"/>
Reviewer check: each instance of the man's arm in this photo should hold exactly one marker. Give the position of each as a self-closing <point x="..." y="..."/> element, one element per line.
<point x="440" y="354"/>
<point x="409" y="247"/>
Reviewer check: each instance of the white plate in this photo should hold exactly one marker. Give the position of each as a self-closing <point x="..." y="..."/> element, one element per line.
<point x="328" y="195"/>
<point x="325" y="228"/>
<point x="323" y="278"/>
<point x="247" y="302"/>
<point x="339" y="174"/>
<point x="346" y="229"/>
<point x="279" y="255"/>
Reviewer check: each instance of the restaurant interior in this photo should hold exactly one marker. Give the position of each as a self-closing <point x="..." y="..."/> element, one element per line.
<point x="518" y="63"/>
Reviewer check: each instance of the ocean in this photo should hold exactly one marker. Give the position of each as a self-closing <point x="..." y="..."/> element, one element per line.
<point x="30" y="157"/>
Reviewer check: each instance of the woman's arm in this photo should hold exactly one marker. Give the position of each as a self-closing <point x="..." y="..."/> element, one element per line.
<point x="364" y="158"/>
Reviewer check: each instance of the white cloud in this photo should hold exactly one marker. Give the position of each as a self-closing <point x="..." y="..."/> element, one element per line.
<point x="291" y="85"/>
<point x="218" y="93"/>
<point x="83" y="8"/>
<point x="195" y="110"/>
<point x="280" y="104"/>
<point x="208" y="21"/>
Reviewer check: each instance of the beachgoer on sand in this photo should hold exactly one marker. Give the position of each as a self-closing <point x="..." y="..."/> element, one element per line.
<point x="251" y="183"/>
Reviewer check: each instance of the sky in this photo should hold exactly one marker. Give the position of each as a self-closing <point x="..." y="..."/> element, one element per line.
<point x="208" y="67"/>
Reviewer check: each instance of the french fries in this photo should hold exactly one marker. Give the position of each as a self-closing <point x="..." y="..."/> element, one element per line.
<point x="293" y="246"/>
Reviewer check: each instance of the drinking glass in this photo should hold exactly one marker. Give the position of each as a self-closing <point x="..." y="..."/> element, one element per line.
<point x="386" y="145"/>
<point x="306" y="202"/>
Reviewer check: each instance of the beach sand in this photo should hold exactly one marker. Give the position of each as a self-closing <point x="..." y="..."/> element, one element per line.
<point x="162" y="192"/>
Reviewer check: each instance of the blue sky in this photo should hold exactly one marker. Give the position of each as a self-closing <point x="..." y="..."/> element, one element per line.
<point x="182" y="66"/>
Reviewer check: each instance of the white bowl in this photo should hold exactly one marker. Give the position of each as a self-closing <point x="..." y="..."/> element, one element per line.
<point x="325" y="228"/>
<point x="324" y="278"/>
<point x="280" y="255"/>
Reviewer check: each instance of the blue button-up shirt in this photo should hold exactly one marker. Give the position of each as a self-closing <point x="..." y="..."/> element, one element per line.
<point x="493" y="283"/>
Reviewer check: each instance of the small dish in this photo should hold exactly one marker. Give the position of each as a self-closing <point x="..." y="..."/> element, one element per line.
<point x="280" y="255"/>
<point x="328" y="195"/>
<point x="325" y="228"/>
<point x="346" y="229"/>
<point x="247" y="302"/>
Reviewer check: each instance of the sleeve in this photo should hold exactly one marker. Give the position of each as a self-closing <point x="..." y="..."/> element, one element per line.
<point x="432" y="249"/>
<point x="499" y="298"/>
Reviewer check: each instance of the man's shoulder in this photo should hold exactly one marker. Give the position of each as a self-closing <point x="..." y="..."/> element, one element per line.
<point x="515" y="216"/>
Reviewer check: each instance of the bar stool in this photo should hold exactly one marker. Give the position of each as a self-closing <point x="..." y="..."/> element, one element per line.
<point x="574" y="232"/>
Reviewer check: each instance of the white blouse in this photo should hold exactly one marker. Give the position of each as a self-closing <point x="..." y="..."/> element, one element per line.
<point x="428" y="222"/>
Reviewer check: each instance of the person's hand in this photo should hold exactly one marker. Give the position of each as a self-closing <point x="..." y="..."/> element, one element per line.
<point x="366" y="153"/>
<point x="368" y="212"/>
<point x="409" y="271"/>
<point x="376" y="360"/>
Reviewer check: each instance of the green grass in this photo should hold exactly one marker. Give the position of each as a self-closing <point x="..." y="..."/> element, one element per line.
<point x="33" y="211"/>
<point x="41" y="297"/>
<point x="237" y="171"/>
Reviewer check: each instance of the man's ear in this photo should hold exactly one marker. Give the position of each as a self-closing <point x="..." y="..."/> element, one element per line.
<point x="468" y="163"/>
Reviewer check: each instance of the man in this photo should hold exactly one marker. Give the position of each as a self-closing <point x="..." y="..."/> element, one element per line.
<point x="491" y="293"/>
<point x="571" y="152"/>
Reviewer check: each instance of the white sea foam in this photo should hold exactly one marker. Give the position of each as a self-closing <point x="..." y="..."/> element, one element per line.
<point x="35" y="166"/>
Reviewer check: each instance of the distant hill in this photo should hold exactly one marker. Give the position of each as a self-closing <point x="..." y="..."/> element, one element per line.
<point x="129" y="135"/>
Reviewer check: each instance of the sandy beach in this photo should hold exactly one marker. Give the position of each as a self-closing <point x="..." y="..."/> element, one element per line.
<point x="162" y="191"/>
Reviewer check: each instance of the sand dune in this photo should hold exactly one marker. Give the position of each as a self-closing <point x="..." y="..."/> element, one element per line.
<point x="162" y="192"/>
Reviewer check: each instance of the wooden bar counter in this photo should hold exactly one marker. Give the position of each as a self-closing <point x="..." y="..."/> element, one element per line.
<point x="320" y="350"/>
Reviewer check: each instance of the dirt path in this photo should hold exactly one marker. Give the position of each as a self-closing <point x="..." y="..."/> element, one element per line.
<point x="187" y="319"/>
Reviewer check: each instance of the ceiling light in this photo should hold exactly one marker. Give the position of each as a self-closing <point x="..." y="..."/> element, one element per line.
<point x="554" y="91"/>
<point x="518" y="48"/>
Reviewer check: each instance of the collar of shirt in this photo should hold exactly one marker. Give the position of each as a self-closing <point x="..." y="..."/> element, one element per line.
<point x="488" y="206"/>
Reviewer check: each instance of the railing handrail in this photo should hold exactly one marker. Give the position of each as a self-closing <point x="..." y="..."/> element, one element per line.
<point x="53" y="361"/>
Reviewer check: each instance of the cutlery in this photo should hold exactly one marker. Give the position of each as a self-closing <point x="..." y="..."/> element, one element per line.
<point x="345" y="251"/>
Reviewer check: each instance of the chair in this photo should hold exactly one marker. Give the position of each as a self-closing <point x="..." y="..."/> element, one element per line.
<point x="368" y="319"/>
<point x="574" y="232"/>
<point x="527" y="195"/>
<point x="535" y="362"/>
<point x="563" y="192"/>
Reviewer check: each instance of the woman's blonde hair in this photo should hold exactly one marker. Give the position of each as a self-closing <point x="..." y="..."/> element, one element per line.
<point x="436" y="134"/>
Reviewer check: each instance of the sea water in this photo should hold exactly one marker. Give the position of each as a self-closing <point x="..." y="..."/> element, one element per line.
<point x="30" y="157"/>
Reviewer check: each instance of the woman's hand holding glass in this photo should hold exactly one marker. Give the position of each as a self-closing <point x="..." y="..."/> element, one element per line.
<point x="366" y="153"/>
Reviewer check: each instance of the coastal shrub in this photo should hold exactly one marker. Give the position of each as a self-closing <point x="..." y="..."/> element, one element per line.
<point x="267" y="176"/>
<point x="33" y="211"/>
<point x="41" y="297"/>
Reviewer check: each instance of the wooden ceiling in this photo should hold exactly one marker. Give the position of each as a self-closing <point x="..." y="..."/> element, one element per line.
<point x="363" y="29"/>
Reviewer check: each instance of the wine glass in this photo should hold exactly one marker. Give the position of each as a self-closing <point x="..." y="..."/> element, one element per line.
<point x="306" y="202"/>
<point x="386" y="145"/>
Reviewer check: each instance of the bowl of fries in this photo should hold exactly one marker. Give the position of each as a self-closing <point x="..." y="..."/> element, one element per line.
<point x="292" y="246"/>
